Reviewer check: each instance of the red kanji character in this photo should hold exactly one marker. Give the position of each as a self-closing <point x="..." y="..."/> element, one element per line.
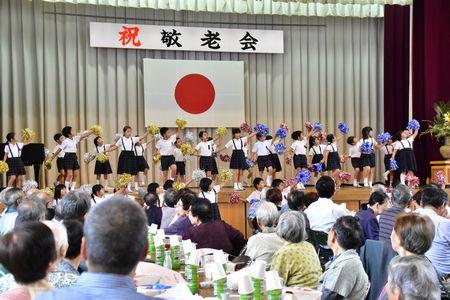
<point x="129" y="34"/>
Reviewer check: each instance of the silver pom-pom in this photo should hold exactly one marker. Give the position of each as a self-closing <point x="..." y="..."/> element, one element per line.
<point x="197" y="175"/>
<point x="87" y="157"/>
<point x="86" y="188"/>
<point x="189" y="136"/>
<point x="29" y="185"/>
<point x="46" y="152"/>
<point x="117" y="137"/>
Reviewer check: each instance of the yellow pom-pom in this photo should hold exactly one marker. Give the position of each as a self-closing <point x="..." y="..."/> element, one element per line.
<point x="186" y="148"/>
<point x="181" y="123"/>
<point x="225" y="175"/>
<point x="96" y="130"/>
<point x="178" y="185"/>
<point x="221" y="131"/>
<point x="152" y="129"/>
<point x="28" y="135"/>
<point x="102" y="157"/>
<point x="48" y="164"/>
<point x="156" y="158"/>
<point x="48" y="191"/>
<point x="124" y="180"/>
<point x="4" y="168"/>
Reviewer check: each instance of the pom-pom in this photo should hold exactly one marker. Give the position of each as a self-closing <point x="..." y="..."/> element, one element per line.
<point x="46" y="152"/>
<point x="156" y="158"/>
<point x="179" y="185"/>
<point x="4" y="168"/>
<point x="318" y="167"/>
<point x="181" y="123"/>
<point x="384" y="137"/>
<point x="322" y="136"/>
<point x="413" y="181"/>
<point x="280" y="148"/>
<point x="189" y="136"/>
<point x="308" y="125"/>
<point x="224" y="157"/>
<point x="284" y="126"/>
<point x="366" y="148"/>
<point x="221" y="131"/>
<point x="246" y="128"/>
<point x="28" y="135"/>
<point x="87" y="157"/>
<point x="96" y="130"/>
<point x="48" y="191"/>
<point x="288" y="160"/>
<point x="152" y="129"/>
<point x="281" y="133"/>
<point x="413" y="125"/>
<point x="345" y="176"/>
<point x="124" y="180"/>
<point x="316" y="126"/>
<point x="393" y="165"/>
<point x="262" y="129"/>
<point x="102" y="158"/>
<point x="186" y="149"/>
<point x="343" y="128"/>
<point x="439" y="178"/>
<point x="86" y="188"/>
<point x="249" y="162"/>
<point x="48" y="164"/>
<point x="234" y="198"/>
<point x="290" y="182"/>
<point x="225" y="175"/>
<point x="197" y="175"/>
<point x="304" y="176"/>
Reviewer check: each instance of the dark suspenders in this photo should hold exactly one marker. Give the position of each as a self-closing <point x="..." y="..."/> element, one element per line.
<point x="242" y="145"/>
<point x="215" y="195"/>
<point x="18" y="152"/>
<point x="123" y="145"/>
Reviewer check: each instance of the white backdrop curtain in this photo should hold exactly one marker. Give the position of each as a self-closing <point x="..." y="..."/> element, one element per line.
<point x="332" y="71"/>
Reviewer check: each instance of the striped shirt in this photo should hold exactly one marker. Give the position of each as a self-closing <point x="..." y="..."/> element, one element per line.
<point x="387" y="221"/>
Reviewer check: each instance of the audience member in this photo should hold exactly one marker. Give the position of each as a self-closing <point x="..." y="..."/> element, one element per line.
<point x="29" y="210"/>
<point x="182" y="223"/>
<point x="75" y="205"/>
<point x="296" y="261"/>
<point x="168" y="209"/>
<point x="402" y="197"/>
<point x="275" y="196"/>
<point x="112" y="248"/>
<point x="72" y="259"/>
<point x="296" y="201"/>
<point x="368" y="215"/>
<point x="29" y="187"/>
<point x="256" y="198"/>
<point x="152" y="210"/>
<point x="11" y="200"/>
<point x="59" y="193"/>
<point x="344" y="276"/>
<point x="263" y="245"/>
<point x="208" y="233"/>
<point x="97" y="194"/>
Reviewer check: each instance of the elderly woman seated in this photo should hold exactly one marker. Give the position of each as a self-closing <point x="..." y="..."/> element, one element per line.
<point x="297" y="261"/>
<point x="182" y="222"/>
<point x="264" y="244"/>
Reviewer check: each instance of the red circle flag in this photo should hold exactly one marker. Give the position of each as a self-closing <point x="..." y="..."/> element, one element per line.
<point x="195" y="93"/>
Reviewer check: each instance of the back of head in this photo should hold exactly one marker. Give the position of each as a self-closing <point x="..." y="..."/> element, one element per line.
<point x="202" y="209"/>
<point x="151" y="199"/>
<point x="325" y="187"/>
<point x="41" y="197"/>
<point x="60" y="236"/>
<point x="275" y="196"/>
<point x="433" y="197"/>
<point x="66" y="131"/>
<point x="152" y="187"/>
<point x="291" y="227"/>
<point x="29" y="185"/>
<point x="75" y="205"/>
<point x="413" y="277"/>
<point x="171" y="197"/>
<point x="379" y="188"/>
<point x="204" y="184"/>
<point x="348" y="232"/>
<point x="267" y="214"/>
<point x="168" y="184"/>
<point x="115" y="244"/>
<point x="29" y="242"/>
<point x="276" y="182"/>
<point x="12" y="197"/>
<point x="296" y="200"/>
<point x="415" y="232"/>
<point x="296" y="134"/>
<point x="186" y="200"/>
<point x="30" y="211"/>
<point x="74" y="235"/>
<point x="402" y="195"/>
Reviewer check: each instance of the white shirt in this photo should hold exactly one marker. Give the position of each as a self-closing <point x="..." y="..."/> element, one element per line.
<point x="166" y="146"/>
<point x="257" y="195"/>
<point x="245" y="149"/>
<point x="210" y="195"/>
<point x="315" y="150"/>
<point x="331" y="147"/>
<point x="13" y="150"/>
<point x="370" y="140"/>
<point x="404" y="144"/>
<point x="354" y="152"/>
<point x="284" y="195"/>
<point x="127" y="144"/>
<point x="260" y="148"/>
<point x="205" y="148"/>
<point x="70" y="145"/>
<point x="97" y="200"/>
<point x="238" y="143"/>
<point x="139" y="150"/>
<point x="178" y="155"/>
<point x="387" y="149"/>
<point x="299" y="147"/>
<point x="60" y="154"/>
<point x="100" y="149"/>
<point x="323" y="213"/>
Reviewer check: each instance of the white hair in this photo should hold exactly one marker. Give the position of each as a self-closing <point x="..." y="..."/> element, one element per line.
<point x="59" y="234"/>
<point x="29" y="185"/>
<point x="267" y="214"/>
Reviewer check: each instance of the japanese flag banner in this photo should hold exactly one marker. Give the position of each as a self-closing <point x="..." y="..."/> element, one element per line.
<point x="204" y="93"/>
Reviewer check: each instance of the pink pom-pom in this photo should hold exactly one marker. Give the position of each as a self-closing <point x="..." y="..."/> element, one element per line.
<point x="322" y="136"/>
<point x="234" y="198"/>
<point x="288" y="160"/>
<point x="290" y="182"/>
<point x="439" y="178"/>
<point x="308" y="125"/>
<point x="345" y="176"/>
<point x="284" y="126"/>
<point x="246" y="128"/>
<point x="224" y="157"/>
<point x="413" y="181"/>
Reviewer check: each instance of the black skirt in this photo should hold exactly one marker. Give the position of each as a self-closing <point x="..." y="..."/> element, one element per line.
<point x="215" y="211"/>
<point x="356" y="163"/>
<point x="387" y="162"/>
<point x="316" y="159"/>
<point x="276" y="162"/>
<point x="59" y="164"/>
<point x="167" y="161"/>
<point x="264" y="162"/>
<point x="102" y="168"/>
<point x="16" y="166"/>
<point x="406" y="160"/>
<point x="141" y="164"/>
<point x="215" y="170"/>
<point x="127" y="163"/>
<point x="368" y="160"/>
<point x="333" y="161"/>
<point x="181" y="168"/>
<point x="206" y="163"/>
<point x="237" y="161"/>
<point x="300" y="161"/>
<point x="70" y="161"/>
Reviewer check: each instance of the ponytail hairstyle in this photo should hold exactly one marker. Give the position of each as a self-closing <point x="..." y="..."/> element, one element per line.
<point x="376" y="197"/>
<point x="330" y="138"/>
<point x="365" y="132"/>
<point x="397" y="136"/>
<point x="95" y="189"/>
<point x="10" y="136"/>
<point x="96" y="140"/>
<point x="312" y="140"/>
<point x="350" y="140"/>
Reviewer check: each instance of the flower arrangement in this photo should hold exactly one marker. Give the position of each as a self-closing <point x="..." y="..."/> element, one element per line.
<point x="413" y="181"/>
<point x="345" y="176"/>
<point x="439" y="178"/>
<point x="440" y="126"/>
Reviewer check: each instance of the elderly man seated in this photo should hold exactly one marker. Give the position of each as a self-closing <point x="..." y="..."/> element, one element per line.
<point x="11" y="199"/>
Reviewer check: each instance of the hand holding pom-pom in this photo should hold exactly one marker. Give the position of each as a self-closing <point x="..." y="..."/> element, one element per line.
<point x="48" y="164"/>
<point x="152" y="129"/>
<point x="124" y="180"/>
<point x="322" y="136"/>
<point x="281" y="133"/>
<point x="28" y="135"/>
<point x="316" y="126"/>
<point x="413" y="125"/>
<point x="156" y="158"/>
<point x="102" y="158"/>
<point x="234" y="198"/>
<point x="96" y="130"/>
<point x="225" y="175"/>
<point x="308" y="125"/>
<point x="186" y="149"/>
<point x="87" y="157"/>
<point x="345" y="176"/>
<point x="304" y="176"/>
<point x="394" y="165"/>
<point x="181" y="123"/>
<point x="246" y="128"/>
<point x="249" y="162"/>
<point x="189" y="136"/>
<point x="343" y="128"/>
<point x="4" y="168"/>
<point x="224" y="157"/>
<point x="179" y="185"/>
<point x="280" y="148"/>
<point x="262" y="129"/>
<point x="221" y="131"/>
<point x="197" y="175"/>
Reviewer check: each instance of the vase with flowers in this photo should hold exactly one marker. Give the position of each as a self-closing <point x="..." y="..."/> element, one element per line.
<point x="439" y="127"/>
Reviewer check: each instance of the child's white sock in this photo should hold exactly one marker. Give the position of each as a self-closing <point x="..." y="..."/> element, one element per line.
<point x="236" y="186"/>
<point x="240" y="186"/>
<point x="98" y="181"/>
<point x="402" y="178"/>
<point x="366" y="182"/>
<point x="67" y="184"/>
<point x="355" y="183"/>
<point x="370" y="184"/>
<point x="269" y="180"/>
<point x="74" y="185"/>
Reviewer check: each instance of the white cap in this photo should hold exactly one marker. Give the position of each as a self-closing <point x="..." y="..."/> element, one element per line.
<point x="187" y="246"/>
<point x="153" y="229"/>
<point x="174" y="241"/>
<point x="272" y="281"/>
<point x="218" y="272"/>
<point x="194" y="258"/>
<point x="245" y="284"/>
<point x="220" y="257"/>
<point x="158" y="241"/>
<point x="258" y="269"/>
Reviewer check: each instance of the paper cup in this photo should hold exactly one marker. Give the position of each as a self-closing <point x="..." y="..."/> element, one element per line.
<point x="272" y="281"/>
<point x="153" y="229"/>
<point x="220" y="257"/>
<point x="187" y="246"/>
<point x="245" y="285"/>
<point x="259" y="269"/>
<point x="160" y="232"/>
<point x="218" y="272"/>
<point x="158" y="241"/>
<point x="174" y="241"/>
<point x="194" y="258"/>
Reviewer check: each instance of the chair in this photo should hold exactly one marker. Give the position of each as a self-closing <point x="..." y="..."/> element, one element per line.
<point x="319" y="240"/>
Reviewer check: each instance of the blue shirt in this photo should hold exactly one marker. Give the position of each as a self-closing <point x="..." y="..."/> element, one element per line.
<point x="369" y="224"/>
<point x="97" y="286"/>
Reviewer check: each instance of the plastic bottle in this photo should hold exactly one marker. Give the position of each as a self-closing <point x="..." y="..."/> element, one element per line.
<point x="168" y="259"/>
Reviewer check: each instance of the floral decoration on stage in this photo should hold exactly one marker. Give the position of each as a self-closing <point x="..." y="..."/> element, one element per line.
<point x="152" y="129"/>
<point x="246" y="128"/>
<point x="197" y="175"/>
<point x="343" y="128"/>
<point x="28" y="135"/>
<point x="96" y="130"/>
<point x="221" y="131"/>
<point x="439" y="178"/>
<point x="234" y="198"/>
<point x="413" y="181"/>
<point x="181" y="123"/>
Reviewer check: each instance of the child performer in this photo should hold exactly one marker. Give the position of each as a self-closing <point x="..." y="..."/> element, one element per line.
<point x="316" y="150"/>
<point x="101" y="168"/>
<point x="274" y="156"/>
<point x="166" y="147"/>
<point x="368" y="158"/>
<point x="299" y="147"/>
<point x="59" y="138"/>
<point x="70" y="160"/>
<point x="332" y="159"/>
<point x="406" y="160"/>
<point x="127" y="158"/>
<point x="261" y="150"/>
<point x="180" y="161"/>
<point x="210" y="191"/>
<point x="247" y="168"/>
<point x="215" y="170"/>
<point x="205" y="150"/>
<point x="354" y="154"/>
<point x="387" y="150"/>
<point x="13" y="151"/>
<point x="141" y="163"/>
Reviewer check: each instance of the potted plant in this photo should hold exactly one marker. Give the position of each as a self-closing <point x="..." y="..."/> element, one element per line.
<point x="439" y="127"/>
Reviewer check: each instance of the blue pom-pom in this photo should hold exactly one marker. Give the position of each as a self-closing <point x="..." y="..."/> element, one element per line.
<point x="318" y="167"/>
<point x="304" y="176"/>
<point x="343" y="128"/>
<point x="281" y="133"/>
<point x="316" y="126"/>
<point x="366" y="148"/>
<point x="280" y="148"/>
<point x="413" y="125"/>
<point x="384" y="137"/>
<point x="262" y="129"/>
<point x="249" y="162"/>
<point x="394" y="165"/>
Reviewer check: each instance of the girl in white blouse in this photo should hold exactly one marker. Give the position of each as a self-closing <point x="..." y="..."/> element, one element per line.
<point x="13" y="151"/>
<point x="403" y="150"/>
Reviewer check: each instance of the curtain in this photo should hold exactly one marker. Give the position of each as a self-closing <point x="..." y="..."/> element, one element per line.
<point x="331" y="71"/>
<point x="310" y="8"/>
